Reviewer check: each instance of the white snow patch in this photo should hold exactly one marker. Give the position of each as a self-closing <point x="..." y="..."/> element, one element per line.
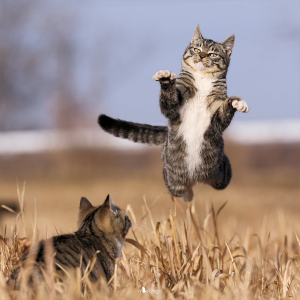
<point x="260" y="132"/>
<point x="17" y="142"/>
<point x="247" y="132"/>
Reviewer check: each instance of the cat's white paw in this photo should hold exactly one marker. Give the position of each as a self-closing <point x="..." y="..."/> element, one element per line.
<point x="240" y="105"/>
<point x="162" y="75"/>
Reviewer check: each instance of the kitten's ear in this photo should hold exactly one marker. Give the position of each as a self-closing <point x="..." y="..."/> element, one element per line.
<point x="197" y="36"/>
<point x="85" y="204"/>
<point x="85" y="207"/>
<point x="228" y="44"/>
<point x="108" y="202"/>
<point x="103" y="217"/>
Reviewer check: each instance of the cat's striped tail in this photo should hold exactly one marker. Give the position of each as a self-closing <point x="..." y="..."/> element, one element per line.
<point x="140" y="133"/>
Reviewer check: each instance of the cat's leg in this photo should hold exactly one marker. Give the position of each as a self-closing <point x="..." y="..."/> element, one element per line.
<point x="177" y="187"/>
<point x="169" y="99"/>
<point x="222" y="176"/>
<point x="224" y="115"/>
<point x="188" y="195"/>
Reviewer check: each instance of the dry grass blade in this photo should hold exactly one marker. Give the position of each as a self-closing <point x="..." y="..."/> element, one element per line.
<point x="157" y="234"/>
<point x="195" y="227"/>
<point x="171" y="257"/>
<point x="115" y="277"/>
<point x="125" y="264"/>
<point x="63" y="269"/>
<point x="192" y="259"/>
<point x="221" y="208"/>
<point x="175" y="240"/>
<point x="129" y="209"/>
<point x="137" y="245"/>
<point x="21" y="197"/>
<point x="233" y="262"/>
<point x="8" y="208"/>
<point x="217" y="241"/>
<point x="149" y="212"/>
<point x="91" y="264"/>
<point x="297" y="238"/>
<point x="208" y="266"/>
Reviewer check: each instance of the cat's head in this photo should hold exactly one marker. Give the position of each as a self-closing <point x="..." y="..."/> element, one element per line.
<point x="207" y="56"/>
<point x="108" y="218"/>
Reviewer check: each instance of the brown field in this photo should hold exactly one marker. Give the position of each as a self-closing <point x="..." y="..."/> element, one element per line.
<point x="186" y="256"/>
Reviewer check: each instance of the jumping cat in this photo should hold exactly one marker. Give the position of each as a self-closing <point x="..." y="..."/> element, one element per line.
<point x="198" y="112"/>
<point x="101" y="232"/>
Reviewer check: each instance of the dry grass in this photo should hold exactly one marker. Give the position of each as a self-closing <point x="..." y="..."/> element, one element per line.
<point x="247" y="249"/>
<point x="183" y="256"/>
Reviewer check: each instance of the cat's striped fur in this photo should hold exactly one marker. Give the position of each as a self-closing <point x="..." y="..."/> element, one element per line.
<point x="101" y="232"/>
<point x="141" y="133"/>
<point x="198" y="111"/>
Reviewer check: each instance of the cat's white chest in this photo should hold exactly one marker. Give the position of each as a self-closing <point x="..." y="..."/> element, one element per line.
<point x="195" y="119"/>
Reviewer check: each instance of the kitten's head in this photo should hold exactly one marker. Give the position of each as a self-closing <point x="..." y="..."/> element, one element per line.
<point x="207" y="56"/>
<point x="107" y="217"/>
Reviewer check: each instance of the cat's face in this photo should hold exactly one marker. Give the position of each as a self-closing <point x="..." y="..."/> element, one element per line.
<point x="107" y="217"/>
<point x="207" y="56"/>
<point x="111" y="219"/>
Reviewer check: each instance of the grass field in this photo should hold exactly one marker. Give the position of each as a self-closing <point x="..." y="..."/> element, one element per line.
<point x="247" y="249"/>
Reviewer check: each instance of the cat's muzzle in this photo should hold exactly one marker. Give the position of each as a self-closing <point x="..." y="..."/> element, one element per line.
<point x="127" y="226"/>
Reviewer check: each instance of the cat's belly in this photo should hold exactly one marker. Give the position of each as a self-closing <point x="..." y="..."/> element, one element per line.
<point x="195" y="120"/>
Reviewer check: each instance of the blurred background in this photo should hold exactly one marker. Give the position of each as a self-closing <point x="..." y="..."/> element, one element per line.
<point x="64" y="63"/>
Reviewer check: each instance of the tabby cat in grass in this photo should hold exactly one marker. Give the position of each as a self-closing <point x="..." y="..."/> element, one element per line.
<point x="198" y="111"/>
<point x="101" y="232"/>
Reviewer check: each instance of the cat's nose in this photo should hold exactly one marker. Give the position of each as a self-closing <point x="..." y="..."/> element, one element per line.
<point x="202" y="55"/>
<point x="127" y="221"/>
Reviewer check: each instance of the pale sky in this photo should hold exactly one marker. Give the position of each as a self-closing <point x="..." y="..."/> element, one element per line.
<point x="134" y="39"/>
<point x="265" y="61"/>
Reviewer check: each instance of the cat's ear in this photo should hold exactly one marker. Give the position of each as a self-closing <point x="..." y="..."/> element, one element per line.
<point x="85" y="204"/>
<point x="108" y="202"/>
<point x="197" y="36"/>
<point x="228" y="44"/>
<point x="85" y="207"/>
<point x="103" y="218"/>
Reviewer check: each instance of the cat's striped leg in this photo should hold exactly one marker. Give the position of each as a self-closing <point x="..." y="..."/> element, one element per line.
<point x="169" y="96"/>
<point x="178" y="187"/>
<point x="225" y="113"/>
<point x="222" y="176"/>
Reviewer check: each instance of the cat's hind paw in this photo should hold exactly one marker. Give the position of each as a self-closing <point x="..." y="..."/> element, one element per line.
<point x="188" y="195"/>
<point x="164" y="76"/>
<point x="240" y="105"/>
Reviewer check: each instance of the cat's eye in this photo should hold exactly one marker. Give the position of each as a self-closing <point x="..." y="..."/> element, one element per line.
<point x="213" y="55"/>
<point x="196" y="50"/>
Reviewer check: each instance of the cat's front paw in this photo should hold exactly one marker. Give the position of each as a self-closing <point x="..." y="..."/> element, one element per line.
<point x="240" y="105"/>
<point x="164" y="76"/>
